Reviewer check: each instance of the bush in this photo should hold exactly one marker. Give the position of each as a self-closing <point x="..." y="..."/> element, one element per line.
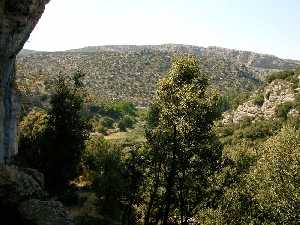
<point x="33" y="139"/>
<point x="98" y="127"/>
<point x="259" y="99"/>
<point x="283" y="109"/>
<point x="69" y="197"/>
<point x="115" y="179"/>
<point x="240" y="99"/>
<point x="274" y="180"/>
<point x="114" y="110"/>
<point x="126" y="122"/>
<point x="258" y="185"/>
<point x="107" y="122"/>
<point x="88" y="220"/>
<point x="282" y="75"/>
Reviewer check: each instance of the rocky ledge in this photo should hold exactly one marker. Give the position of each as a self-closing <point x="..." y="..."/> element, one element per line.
<point x="23" y="200"/>
<point x="274" y="94"/>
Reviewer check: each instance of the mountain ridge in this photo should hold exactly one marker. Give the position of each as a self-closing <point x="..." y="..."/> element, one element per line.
<point x="167" y="46"/>
<point x="130" y="72"/>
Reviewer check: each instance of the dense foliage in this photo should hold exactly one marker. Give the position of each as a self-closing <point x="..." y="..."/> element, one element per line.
<point x="183" y="149"/>
<point x="189" y="168"/>
<point x="260" y="185"/>
<point x="111" y="115"/>
<point x="57" y="139"/>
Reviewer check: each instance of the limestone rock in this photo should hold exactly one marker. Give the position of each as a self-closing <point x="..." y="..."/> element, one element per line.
<point x="275" y="93"/>
<point x="38" y="212"/>
<point x="17" y="185"/>
<point x="17" y="20"/>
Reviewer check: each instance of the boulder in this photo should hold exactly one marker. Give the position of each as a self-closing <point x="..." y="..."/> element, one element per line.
<point x="17" y="185"/>
<point x="22" y="199"/>
<point x="37" y="212"/>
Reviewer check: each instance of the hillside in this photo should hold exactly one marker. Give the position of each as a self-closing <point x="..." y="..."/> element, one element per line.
<point x="264" y="111"/>
<point x="131" y="72"/>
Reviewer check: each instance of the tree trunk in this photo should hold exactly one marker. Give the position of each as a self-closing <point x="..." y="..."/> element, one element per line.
<point x="171" y="179"/>
<point x="153" y="193"/>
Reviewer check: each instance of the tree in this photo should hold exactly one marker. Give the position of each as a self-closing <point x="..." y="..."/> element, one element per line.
<point x="53" y="141"/>
<point x="67" y="132"/>
<point x="32" y="139"/>
<point x="184" y="148"/>
<point x="260" y="185"/>
<point x="274" y="181"/>
<point x="116" y="179"/>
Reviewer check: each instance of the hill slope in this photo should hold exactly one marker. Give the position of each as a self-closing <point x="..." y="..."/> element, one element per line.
<point x="131" y="72"/>
<point x="265" y="111"/>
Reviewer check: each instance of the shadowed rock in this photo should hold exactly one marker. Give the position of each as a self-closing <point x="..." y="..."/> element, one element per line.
<point x="38" y="212"/>
<point x="17" y="20"/>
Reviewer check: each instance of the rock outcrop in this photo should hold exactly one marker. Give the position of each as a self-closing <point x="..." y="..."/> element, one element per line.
<point x="20" y="189"/>
<point x="274" y="94"/>
<point x="17" y="20"/>
<point x="17" y="185"/>
<point x="23" y="200"/>
<point x="38" y="212"/>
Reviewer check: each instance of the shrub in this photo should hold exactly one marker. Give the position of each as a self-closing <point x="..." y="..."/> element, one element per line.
<point x="283" y="109"/>
<point x="107" y="122"/>
<point x="126" y="122"/>
<point x="258" y="185"/>
<point x="69" y="197"/>
<point x="282" y="75"/>
<point x="115" y="177"/>
<point x="274" y="180"/>
<point x="114" y="110"/>
<point x="88" y="220"/>
<point x="98" y="127"/>
<point x="259" y="99"/>
<point x="240" y="99"/>
<point x="33" y="138"/>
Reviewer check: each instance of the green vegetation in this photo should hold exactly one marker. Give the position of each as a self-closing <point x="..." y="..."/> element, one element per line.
<point x="131" y="73"/>
<point x="126" y="122"/>
<point x="232" y="99"/>
<point x="283" y="109"/>
<point x="173" y="163"/>
<point x="116" y="178"/>
<point x="258" y="185"/>
<point x="55" y="139"/>
<point x="288" y="75"/>
<point x="106" y="117"/>
<point x="259" y="99"/>
<point x="183" y="149"/>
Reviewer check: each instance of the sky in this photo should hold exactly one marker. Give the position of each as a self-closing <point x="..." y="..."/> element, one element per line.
<point x="263" y="26"/>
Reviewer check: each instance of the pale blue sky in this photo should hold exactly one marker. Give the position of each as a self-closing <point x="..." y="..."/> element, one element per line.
<point x="265" y="26"/>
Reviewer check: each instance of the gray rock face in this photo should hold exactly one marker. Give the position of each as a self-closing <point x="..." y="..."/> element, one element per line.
<point x="38" y="212"/>
<point x="17" y="185"/>
<point x="17" y="20"/>
<point x="22" y="199"/>
<point x="275" y="93"/>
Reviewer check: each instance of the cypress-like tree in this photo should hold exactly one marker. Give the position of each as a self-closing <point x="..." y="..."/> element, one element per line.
<point x="66" y="133"/>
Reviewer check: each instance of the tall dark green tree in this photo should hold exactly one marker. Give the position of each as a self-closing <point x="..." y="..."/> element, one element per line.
<point x="52" y="141"/>
<point x="183" y="146"/>
<point x="67" y="132"/>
